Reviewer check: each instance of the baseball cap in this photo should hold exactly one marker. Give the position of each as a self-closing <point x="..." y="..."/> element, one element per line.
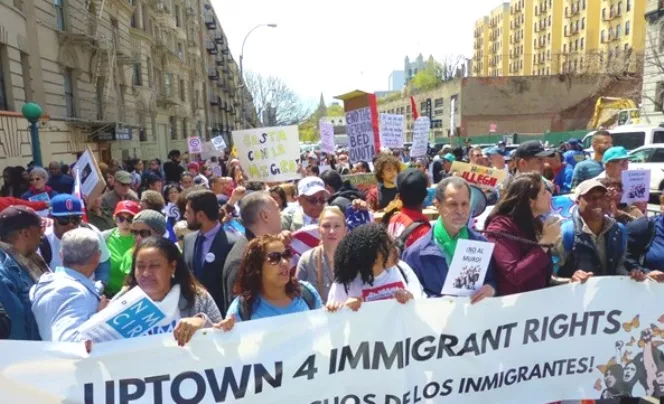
<point x="615" y="153"/>
<point x="494" y="150"/>
<point x="574" y="141"/>
<point x="15" y="218"/>
<point x="123" y="177"/>
<point x="129" y="207"/>
<point x="532" y="148"/>
<point x="449" y="157"/>
<point x="588" y="185"/>
<point x="412" y="186"/>
<point x="310" y="185"/>
<point x="67" y="205"/>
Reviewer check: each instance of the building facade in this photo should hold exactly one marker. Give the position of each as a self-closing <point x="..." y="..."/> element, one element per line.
<point x="480" y="61"/>
<point x="499" y="24"/>
<point x="652" y="107"/>
<point x="396" y="80"/>
<point x="412" y="68"/>
<point x="127" y="78"/>
<point x="571" y="36"/>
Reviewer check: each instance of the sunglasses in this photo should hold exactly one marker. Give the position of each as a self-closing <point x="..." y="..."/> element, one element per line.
<point x="316" y="201"/>
<point x="35" y="179"/>
<point x="123" y="219"/>
<point x="142" y="233"/>
<point x="66" y="220"/>
<point x="275" y="258"/>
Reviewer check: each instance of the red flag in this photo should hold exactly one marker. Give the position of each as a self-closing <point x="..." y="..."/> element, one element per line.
<point x="413" y="106"/>
<point x="77" y="193"/>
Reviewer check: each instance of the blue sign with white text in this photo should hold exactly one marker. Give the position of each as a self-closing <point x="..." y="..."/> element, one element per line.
<point x="137" y="319"/>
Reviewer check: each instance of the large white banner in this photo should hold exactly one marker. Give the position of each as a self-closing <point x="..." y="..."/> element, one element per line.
<point x="268" y="154"/>
<point x="565" y="342"/>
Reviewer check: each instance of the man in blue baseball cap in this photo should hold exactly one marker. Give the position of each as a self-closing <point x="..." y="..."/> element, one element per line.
<point x="67" y="213"/>
<point x="615" y="161"/>
<point x="575" y="153"/>
<point x="497" y="158"/>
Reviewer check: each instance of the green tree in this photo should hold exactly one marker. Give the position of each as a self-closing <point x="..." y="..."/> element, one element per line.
<point x="335" y="110"/>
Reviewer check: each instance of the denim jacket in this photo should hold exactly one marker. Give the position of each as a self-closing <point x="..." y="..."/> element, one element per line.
<point x="15" y="284"/>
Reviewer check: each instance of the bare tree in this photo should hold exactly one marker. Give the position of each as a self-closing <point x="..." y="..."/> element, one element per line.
<point x="653" y="71"/>
<point x="276" y="104"/>
<point x="452" y="66"/>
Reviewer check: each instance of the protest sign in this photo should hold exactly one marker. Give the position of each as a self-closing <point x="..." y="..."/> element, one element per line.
<point x="361" y="181"/>
<point x="420" y="137"/>
<point x="636" y="186"/>
<point x="481" y="176"/>
<point x="92" y="182"/>
<point x="42" y="197"/>
<point x="326" y="136"/>
<point x="195" y="145"/>
<point x="468" y="268"/>
<point x="219" y="143"/>
<point x="391" y="130"/>
<point x="132" y="315"/>
<point x="269" y="154"/>
<point x="359" y="127"/>
<point x="577" y="341"/>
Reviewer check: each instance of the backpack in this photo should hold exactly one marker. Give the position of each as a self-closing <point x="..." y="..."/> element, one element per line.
<point x="400" y="242"/>
<point x="567" y="234"/>
<point x="307" y="296"/>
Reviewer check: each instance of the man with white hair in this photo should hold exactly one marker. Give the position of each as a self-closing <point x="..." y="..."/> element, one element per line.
<point x="63" y="300"/>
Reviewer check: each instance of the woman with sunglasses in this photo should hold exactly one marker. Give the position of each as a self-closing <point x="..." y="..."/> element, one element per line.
<point x="147" y="223"/>
<point x="265" y="287"/>
<point x="158" y="268"/>
<point x="119" y="241"/>
<point x="38" y="190"/>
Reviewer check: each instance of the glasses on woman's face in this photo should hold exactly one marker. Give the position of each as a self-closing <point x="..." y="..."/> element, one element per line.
<point x="145" y="233"/>
<point x="124" y="219"/>
<point x="35" y="179"/>
<point x="66" y="220"/>
<point x="274" y="258"/>
<point x="315" y="201"/>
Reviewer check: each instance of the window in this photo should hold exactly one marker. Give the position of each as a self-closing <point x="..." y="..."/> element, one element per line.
<point x="618" y="31"/>
<point x="69" y="92"/>
<point x="182" y="97"/>
<point x="582" y="43"/>
<point x="25" y="71"/>
<point x="641" y="156"/>
<point x="620" y="8"/>
<point x="627" y="28"/>
<point x="576" y="45"/>
<point x="184" y="128"/>
<point x="584" y="4"/>
<point x="658" y="156"/>
<point x="176" y="11"/>
<point x="549" y="22"/>
<point x="99" y="92"/>
<point x="603" y="36"/>
<point x="604" y="13"/>
<point x="629" y="140"/>
<point x="136" y="77"/>
<point x="174" y="127"/>
<point x="141" y="130"/>
<point x="59" y="14"/>
<point x="583" y="23"/>
<point x="548" y="38"/>
<point x="148" y="64"/>
<point x="629" y="6"/>
<point x="4" y="77"/>
<point x="565" y="48"/>
<point x="658" y="137"/>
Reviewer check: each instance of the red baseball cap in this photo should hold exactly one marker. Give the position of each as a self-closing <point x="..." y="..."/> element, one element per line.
<point x="129" y="207"/>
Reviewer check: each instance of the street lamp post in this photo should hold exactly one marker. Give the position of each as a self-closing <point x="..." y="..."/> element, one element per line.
<point x="244" y="87"/>
<point x="32" y="112"/>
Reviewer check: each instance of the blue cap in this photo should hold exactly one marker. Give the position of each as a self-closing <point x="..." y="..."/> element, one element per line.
<point x="615" y="153"/>
<point x="449" y="157"/>
<point x="574" y="141"/>
<point x="66" y="205"/>
<point x="494" y="150"/>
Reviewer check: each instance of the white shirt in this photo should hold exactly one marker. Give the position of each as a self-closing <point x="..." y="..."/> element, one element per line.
<point x="384" y="286"/>
<point x="54" y="241"/>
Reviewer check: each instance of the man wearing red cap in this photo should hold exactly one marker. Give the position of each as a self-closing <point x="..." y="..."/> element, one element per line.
<point x="120" y="240"/>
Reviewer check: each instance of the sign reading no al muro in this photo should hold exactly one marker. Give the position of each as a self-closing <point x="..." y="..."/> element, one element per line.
<point x="600" y="339"/>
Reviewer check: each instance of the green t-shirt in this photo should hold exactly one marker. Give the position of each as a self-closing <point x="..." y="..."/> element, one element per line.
<point x="118" y="246"/>
<point x="127" y="261"/>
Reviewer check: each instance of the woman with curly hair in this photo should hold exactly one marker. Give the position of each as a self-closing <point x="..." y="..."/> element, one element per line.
<point x="386" y="169"/>
<point x="265" y="287"/>
<point x="366" y="268"/>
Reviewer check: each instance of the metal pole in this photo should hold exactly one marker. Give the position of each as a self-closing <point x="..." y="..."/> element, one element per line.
<point x="242" y="123"/>
<point x="36" y="146"/>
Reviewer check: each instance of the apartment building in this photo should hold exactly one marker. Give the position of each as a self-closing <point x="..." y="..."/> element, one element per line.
<point x="127" y="78"/>
<point x="652" y="107"/>
<point x="499" y="27"/>
<point x="574" y="36"/>
<point x="481" y="47"/>
<point x="520" y="49"/>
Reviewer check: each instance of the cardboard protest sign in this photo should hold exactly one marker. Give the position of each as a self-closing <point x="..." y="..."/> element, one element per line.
<point x="92" y="181"/>
<point x="420" y="137"/>
<point x="391" y="130"/>
<point x="269" y="154"/>
<point x="468" y="268"/>
<point x="219" y="143"/>
<point x="481" y="176"/>
<point x="636" y="186"/>
<point x="195" y="145"/>
<point x="326" y="137"/>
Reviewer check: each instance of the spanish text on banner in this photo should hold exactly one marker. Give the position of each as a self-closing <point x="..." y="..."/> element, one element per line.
<point x="269" y="154"/>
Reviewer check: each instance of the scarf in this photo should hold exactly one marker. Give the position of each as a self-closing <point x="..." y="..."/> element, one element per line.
<point x="34" y="265"/>
<point x="444" y="241"/>
<point x="36" y="191"/>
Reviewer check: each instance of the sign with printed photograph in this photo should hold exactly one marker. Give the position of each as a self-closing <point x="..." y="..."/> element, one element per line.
<point x="92" y="181"/>
<point x="636" y="186"/>
<point x="468" y="268"/>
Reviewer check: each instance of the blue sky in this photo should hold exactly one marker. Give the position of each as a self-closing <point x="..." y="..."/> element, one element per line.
<point x="346" y="44"/>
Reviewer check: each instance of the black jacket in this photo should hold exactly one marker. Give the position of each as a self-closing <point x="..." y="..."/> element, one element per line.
<point x="5" y="324"/>
<point x="345" y="196"/>
<point x="232" y="267"/>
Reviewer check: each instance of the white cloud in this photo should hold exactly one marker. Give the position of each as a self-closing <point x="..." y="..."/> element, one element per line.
<point x="335" y="47"/>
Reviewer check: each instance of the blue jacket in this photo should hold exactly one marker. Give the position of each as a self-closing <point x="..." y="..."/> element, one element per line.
<point x="564" y="179"/>
<point x="430" y="265"/>
<point x="572" y="157"/>
<point x="62" y="184"/>
<point x="15" y="284"/>
<point x="27" y="195"/>
<point x="61" y="302"/>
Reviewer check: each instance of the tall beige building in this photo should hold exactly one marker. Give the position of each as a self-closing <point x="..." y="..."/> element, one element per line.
<point x="481" y="47"/>
<point x="128" y="78"/>
<point x="499" y="28"/>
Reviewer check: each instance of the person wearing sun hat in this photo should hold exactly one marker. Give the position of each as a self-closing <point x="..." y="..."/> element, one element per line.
<point x="120" y="240"/>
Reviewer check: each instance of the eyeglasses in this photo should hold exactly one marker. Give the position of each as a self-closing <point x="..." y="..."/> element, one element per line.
<point x="123" y="219"/>
<point x="66" y="220"/>
<point x="142" y="233"/>
<point x="316" y="201"/>
<point x="276" y="257"/>
<point x="35" y="179"/>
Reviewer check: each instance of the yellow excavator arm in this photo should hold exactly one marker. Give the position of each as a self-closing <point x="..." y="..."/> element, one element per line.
<point x="607" y="110"/>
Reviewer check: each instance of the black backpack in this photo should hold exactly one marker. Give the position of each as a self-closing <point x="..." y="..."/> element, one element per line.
<point x="307" y="296"/>
<point x="400" y="242"/>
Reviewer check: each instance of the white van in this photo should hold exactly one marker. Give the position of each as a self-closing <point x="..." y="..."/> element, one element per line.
<point x="630" y="136"/>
